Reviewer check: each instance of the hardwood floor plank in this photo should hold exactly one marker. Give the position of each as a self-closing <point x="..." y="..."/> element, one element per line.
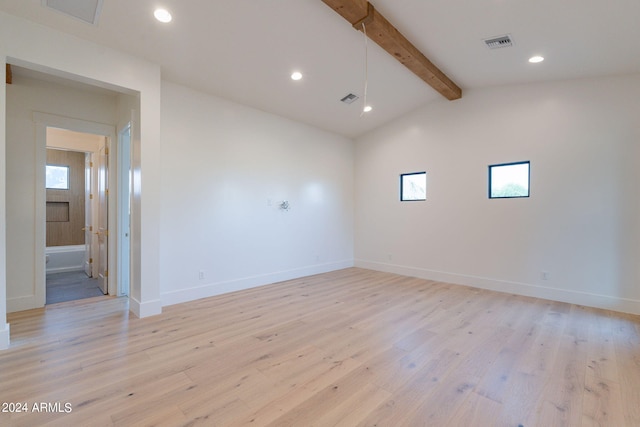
<point x="310" y="411"/>
<point x="162" y="416"/>
<point x="398" y="409"/>
<point x="354" y="408"/>
<point x="530" y="375"/>
<point x="352" y="348"/>
<point x="276" y="401"/>
<point x="461" y="381"/>
<point x="602" y="352"/>
<point x="626" y="336"/>
<point x="477" y="408"/>
<point x="524" y="390"/>
<point x="562" y="399"/>
<point x="602" y="405"/>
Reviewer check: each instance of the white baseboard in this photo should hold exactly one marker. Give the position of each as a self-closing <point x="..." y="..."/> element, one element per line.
<point x="28" y="302"/>
<point x="65" y="269"/>
<point x="144" y="309"/>
<point x="4" y="336"/>
<point x="607" y="302"/>
<point x="213" y="289"/>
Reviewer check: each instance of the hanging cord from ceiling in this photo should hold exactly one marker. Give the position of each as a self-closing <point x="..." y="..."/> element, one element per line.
<point x="366" y="69"/>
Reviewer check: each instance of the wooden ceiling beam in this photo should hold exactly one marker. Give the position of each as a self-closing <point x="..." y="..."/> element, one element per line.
<point x="351" y="10"/>
<point x="390" y="39"/>
<point x="9" y="74"/>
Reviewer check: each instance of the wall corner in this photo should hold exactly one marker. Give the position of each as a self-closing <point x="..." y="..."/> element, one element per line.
<point x="4" y="337"/>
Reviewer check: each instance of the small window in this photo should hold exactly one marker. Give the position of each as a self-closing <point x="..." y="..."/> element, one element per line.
<point x="509" y="180"/>
<point x="413" y="186"/>
<point x="57" y="177"/>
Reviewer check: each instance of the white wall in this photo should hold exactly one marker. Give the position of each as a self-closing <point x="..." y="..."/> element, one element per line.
<point x="221" y="164"/>
<point x="24" y="97"/>
<point x="581" y="223"/>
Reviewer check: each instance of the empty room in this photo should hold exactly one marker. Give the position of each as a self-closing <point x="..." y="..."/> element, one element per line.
<point x="320" y="213"/>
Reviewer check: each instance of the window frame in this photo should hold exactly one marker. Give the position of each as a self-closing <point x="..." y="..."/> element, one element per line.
<point x="68" y="168"/>
<point x="525" y="162"/>
<point x="402" y="175"/>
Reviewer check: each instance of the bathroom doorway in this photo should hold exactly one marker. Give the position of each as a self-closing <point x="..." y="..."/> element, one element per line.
<point x="76" y="215"/>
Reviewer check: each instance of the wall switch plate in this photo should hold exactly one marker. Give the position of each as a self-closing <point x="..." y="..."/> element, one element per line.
<point x="201" y="274"/>
<point x="545" y="275"/>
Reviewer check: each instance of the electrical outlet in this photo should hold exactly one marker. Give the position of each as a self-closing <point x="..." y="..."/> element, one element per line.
<point x="201" y="275"/>
<point x="545" y="275"/>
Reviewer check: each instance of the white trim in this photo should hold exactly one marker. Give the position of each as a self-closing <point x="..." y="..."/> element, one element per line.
<point x="123" y="172"/>
<point x="146" y="309"/>
<point x="4" y="337"/>
<point x="218" y="288"/>
<point x="4" y="331"/>
<point x="40" y="228"/>
<point x="21" y="303"/>
<point x="66" y="269"/>
<point x="76" y="125"/>
<point x="606" y="302"/>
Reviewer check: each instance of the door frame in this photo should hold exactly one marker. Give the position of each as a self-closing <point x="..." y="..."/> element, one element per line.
<point x="89" y="152"/>
<point x="123" y="170"/>
<point x="42" y="122"/>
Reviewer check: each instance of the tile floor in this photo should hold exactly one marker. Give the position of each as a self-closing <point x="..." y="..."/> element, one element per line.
<point x="71" y="286"/>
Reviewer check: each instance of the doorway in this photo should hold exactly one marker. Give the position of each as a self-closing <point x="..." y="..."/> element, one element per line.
<point x="76" y="183"/>
<point x="98" y="242"/>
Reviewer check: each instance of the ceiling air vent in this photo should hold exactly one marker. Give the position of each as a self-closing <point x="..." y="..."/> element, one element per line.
<point x="349" y="99"/>
<point x="498" y="42"/>
<point x="85" y="10"/>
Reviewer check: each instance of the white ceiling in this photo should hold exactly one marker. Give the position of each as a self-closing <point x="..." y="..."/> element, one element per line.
<point x="245" y="50"/>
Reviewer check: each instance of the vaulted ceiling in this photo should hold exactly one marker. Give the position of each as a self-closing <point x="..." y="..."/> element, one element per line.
<point x="245" y="50"/>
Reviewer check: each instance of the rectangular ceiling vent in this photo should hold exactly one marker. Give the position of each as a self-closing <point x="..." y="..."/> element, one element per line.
<point x="349" y="99"/>
<point x="85" y="10"/>
<point x="499" y="42"/>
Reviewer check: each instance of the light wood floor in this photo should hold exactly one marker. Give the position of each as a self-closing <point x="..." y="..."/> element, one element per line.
<point x="348" y="348"/>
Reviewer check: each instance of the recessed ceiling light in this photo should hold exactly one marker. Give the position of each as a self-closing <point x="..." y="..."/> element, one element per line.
<point x="162" y="15"/>
<point x="297" y="75"/>
<point x="367" y="108"/>
<point x="536" y="59"/>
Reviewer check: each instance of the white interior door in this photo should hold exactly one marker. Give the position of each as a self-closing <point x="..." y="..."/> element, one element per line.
<point x="88" y="229"/>
<point x="103" y="220"/>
